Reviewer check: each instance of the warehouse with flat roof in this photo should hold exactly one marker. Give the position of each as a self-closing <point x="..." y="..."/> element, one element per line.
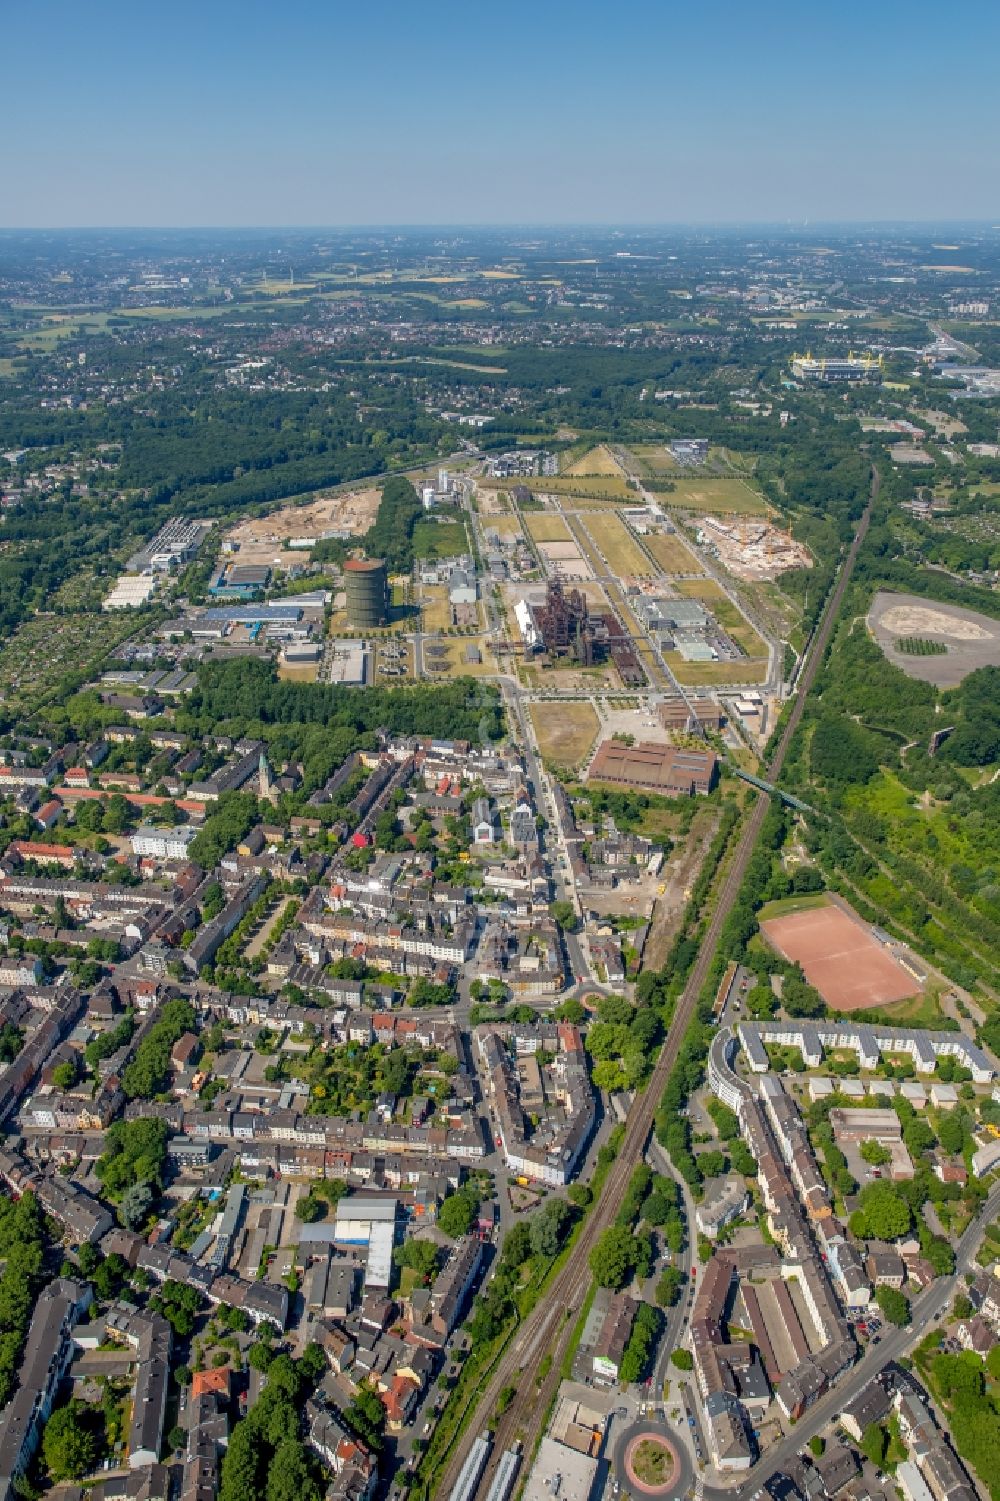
<point x="667" y="769"/>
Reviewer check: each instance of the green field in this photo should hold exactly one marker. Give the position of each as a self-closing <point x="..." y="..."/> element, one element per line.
<point x="787" y="904"/>
<point x="922" y="1010"/>
<point x="673" y="555"/>
<point x="439" y="539"/>
<point x="596" y="487"/>
<point x="565" y="731"/>
<point x="546" y="528"/>
<point x="619" y="547"/>
<point x="722" y="497"/>
<point x="597" y="460"/>
<point x="654" y="459"/>
<point x="712" y="674"/>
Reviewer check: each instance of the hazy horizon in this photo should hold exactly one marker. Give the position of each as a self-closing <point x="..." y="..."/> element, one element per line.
<point x="610" y="226"/>
<point x="231" y="116"/>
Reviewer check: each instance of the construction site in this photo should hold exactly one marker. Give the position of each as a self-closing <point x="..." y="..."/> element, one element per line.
<point x="751" y="548"/>
<point x="289" y="533"/>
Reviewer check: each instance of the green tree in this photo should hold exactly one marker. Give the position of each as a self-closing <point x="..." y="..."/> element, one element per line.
<point x="11" y="1042"/>
<point x="682" y="1359"/>
<point x="457" y="1213"/>
<point x="548" y="1227"/>
<point x="260" y="1355"/>
<point x="742" y="1159"/>
<point x="134" y="1205"/>
<point x="658" y="1207"/>
<point x="179" y="1303"/>
<point x="612" y="1259"/>
<point x="952" y="1132"/>
<point x="134" y="1153"/>
<point x="886" y="1213"/>
<point x="366" y="1416"/>
<point x="874" y="1153"/>
<point x="64" y="1075"/>
<point x="668" y="1287"/>
<point x="517" y="1245"/>
<point x="291" y="1474"/>
<point x="564" y="914"/>
<point x="894" y="1304"/>
<point x="875" y="1444"/>
<point x="761" y="1002"/>
<point x="420" y="1255"/>
<point x="69" y="1445"/>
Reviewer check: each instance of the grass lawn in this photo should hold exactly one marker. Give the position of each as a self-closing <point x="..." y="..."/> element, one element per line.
<point x="653" y="1463"/>
<point x="565" y="731"/>
<point x="697" y="674"/>
<point x="654" y="458"/>
<point x="598" y="460"/>
<point x="437" y="611"/>
<point x="922" y="1010"/>
<point x="788" y="904"/>
<point x="439" y="539"/>
<point x="579" y="503"/>
<point x="673" y="555"/>
<point x="409" y="1278"/>
<point x="508" y="526"/>
<point x="724" y="497"/>
<point x="306" y="674"/>
<point x="653" y="669"/>
<point x="734" y="624"/>
<point x="743" y="463"/>
<point x="705" y="588"/>
<point x="925" y="833"/>
<point x="160" y="314"/>
<point x="624" y="555"/>
<point x="453" y="664"/>
<point x="546" y="528"/>
<point x="601" y="487"/>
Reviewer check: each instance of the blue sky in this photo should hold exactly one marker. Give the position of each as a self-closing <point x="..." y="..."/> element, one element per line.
<point x="234" y="112"/>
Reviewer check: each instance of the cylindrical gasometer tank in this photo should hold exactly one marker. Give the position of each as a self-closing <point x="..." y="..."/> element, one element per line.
<point x="367" y="592"/>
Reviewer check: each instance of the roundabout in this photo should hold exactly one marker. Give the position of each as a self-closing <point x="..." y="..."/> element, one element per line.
<point x="648" y="1461"/>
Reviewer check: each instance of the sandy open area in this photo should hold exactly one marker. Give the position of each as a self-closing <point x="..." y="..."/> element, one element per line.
<point x="972" y="640"/>
<point x="262" y="539"/>
<point x="922" y="620"/>
<point x="565" y="558"/>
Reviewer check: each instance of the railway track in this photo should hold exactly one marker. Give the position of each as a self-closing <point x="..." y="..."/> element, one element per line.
<point x="549" y="1326"/>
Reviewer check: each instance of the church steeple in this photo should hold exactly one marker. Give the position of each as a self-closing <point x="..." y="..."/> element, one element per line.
<point x="265" y="787"/>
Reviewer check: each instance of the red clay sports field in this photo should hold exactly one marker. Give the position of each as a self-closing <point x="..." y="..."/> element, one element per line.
<point x="838" y="955"/>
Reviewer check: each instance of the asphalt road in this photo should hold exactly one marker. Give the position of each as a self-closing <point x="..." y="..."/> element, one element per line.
<point x="545" y="1334"/>
<point x="641" y="1426"/>
<point x="894" y="1343"/>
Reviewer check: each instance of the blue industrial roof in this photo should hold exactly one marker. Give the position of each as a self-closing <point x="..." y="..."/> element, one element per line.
<point x="252" y="614"/>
